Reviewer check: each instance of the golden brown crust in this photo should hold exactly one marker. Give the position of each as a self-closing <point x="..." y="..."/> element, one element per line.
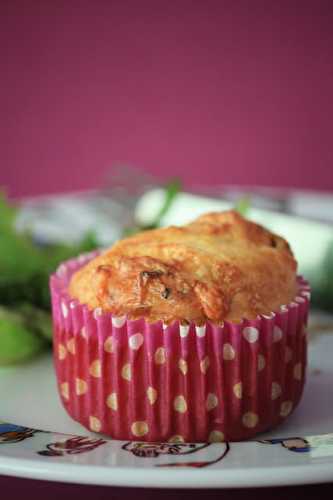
<point x="219" y="267"/>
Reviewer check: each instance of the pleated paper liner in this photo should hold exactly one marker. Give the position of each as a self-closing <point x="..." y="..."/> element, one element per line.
<point x="131" y="380"/>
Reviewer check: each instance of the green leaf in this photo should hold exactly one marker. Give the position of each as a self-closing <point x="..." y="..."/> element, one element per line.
<point x="8" y="213"/>
<point x="322" y="292"/>
<point x="243" y="205"/>
<point x="36" y="320"/>
<point x="25" y="267"/>
<point x="17" y="342"/>
<point x="18" y="254"/>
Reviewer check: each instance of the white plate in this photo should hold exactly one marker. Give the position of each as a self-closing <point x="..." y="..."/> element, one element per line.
<point x="29" y="399"/>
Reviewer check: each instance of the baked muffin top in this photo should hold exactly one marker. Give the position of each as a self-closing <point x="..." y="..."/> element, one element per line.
<point x="219" y="267"/>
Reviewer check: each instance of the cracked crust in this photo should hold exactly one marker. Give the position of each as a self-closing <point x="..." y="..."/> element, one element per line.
<point x="219" y="267"/>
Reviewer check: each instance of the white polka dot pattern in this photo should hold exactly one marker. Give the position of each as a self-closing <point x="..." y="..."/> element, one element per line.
<point x="135" y="341"/>
<point x="269" y="316"/>
<point x="71" y="346"/>
<point x="64" y="390"/>
<point x="180" y="404"/>
<point x="216" y="437"/>
<point x="160" y="356"/>
<point x="200" y="331"/>
<point x="62" y="352"/>
<point x="182" y="365"/>
<point x="276" y="391"/>
<point x="64" y="309"/>
<point x="112" y="401"/>
<point x="95" y="424"/>
<point x="109" y="345"/>
<point x="277" y="334"/>
<point x="97" y="312"/>
<point x="177" y="438"/>
<point x="95" y="369"/>
<point x="251" y="334"/>
<point x="182" y="368"/>
<point x="228" y="352"/>
<point x="204" y="365"/>
<point x="139" y="429"/>
<point x="238" y="390"/>
<point x="118" y="321"/>
<point x="126" y="372"/>
<point x="298" y="371"/>
<point x="250" y="420"/>
<point x="151" y="395"/>
<point x="261" y="362"/>
<point x="184" y="330"/>
<point x="81" y="386"/>
<point x="211" y="401"/>
<point x="286" y="408"/>
<point x="62" y="270"/>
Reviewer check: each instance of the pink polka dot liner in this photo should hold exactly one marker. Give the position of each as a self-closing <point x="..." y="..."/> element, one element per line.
<point x="131" y="380"/>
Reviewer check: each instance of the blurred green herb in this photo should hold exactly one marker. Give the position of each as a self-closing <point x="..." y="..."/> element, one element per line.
<point x="243" y="205"/>
<point x="25" y="268"/>
<point x="18" y="342"/>
<point x="322" y="290"/>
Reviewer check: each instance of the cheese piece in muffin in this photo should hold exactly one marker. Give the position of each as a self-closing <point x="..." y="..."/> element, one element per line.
<point x="219" y="267"/>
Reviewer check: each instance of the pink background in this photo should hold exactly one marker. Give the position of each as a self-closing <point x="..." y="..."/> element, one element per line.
<point x="214" y="91"/>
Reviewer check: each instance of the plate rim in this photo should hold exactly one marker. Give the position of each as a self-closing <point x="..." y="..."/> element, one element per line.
<point x="117" y="476"/>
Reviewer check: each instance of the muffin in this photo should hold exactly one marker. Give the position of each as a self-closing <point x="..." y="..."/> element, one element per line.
<point x="193" y="333"/>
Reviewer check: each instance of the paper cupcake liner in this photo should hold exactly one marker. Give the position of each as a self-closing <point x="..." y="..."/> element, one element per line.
<point x="131" y="379"/>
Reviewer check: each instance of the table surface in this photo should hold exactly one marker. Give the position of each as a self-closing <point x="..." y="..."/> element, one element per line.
<point x="38" y="489"/>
